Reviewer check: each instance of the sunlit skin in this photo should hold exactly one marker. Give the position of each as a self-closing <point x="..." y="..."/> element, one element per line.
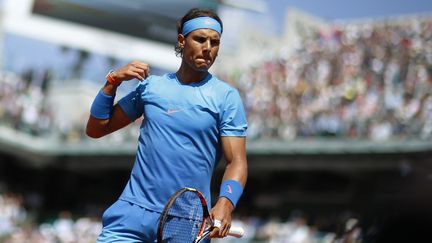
<point x="200" y="49"/>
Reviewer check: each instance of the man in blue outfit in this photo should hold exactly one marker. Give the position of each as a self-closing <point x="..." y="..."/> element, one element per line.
<point x="191" y="119"/>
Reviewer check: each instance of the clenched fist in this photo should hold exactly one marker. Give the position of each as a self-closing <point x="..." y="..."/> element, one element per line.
<point x="135" y="69"/>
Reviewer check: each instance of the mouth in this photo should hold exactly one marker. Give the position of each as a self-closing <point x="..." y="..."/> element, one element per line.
<point x="203" y="61"/>
<point x="203" y="58"/>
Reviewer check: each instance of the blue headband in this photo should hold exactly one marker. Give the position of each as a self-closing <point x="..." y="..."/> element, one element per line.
<point x="201" y="23"/>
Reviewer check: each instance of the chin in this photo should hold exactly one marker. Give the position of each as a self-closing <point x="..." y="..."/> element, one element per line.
<point x="203" y="68"/>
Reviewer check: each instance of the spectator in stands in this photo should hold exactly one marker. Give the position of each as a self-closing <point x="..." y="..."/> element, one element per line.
<point x="190" y="119"/>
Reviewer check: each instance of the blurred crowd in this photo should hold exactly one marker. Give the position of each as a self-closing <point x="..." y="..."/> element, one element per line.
<point x="17" y="225"/>
<point x="369" y="80"/>
<point x="25" y="107"/>
<point x="293" y="230"/>
<point x="23" y="104"/>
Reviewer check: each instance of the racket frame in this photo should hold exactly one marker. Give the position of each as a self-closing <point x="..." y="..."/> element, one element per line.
<point x="206" y="220"/>
<point x="206" y="215"/>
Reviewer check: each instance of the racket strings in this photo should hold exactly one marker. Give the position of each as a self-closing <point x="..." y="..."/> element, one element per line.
<point x="184" y="219"/>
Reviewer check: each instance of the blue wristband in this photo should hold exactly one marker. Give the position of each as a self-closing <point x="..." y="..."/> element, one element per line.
<point x="232" y="190"/>
<point x="102" y="106"/>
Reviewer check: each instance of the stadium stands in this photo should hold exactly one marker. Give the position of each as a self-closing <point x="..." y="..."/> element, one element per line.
<point x="17" y="226"/>
<point x="369" y="80"/>
<point x="360" y="81"/>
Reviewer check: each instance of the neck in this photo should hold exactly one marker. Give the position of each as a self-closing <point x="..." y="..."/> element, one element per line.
<point x="187" y="75"/>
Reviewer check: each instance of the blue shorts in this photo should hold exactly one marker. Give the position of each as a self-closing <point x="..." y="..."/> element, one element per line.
<point x="128" y="222"/>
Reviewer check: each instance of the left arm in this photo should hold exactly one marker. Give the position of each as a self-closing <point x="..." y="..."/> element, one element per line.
<point x="234" y="149"/>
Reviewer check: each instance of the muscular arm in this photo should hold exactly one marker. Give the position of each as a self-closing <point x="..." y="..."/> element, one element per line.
<point x="234" y="149"/>
<point x="97" y="128"/>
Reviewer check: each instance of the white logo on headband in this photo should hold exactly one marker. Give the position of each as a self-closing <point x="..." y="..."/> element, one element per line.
<point x="208" y="22"/>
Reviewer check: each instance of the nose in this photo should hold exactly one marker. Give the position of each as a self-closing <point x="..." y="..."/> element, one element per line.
<point x="207" y="45"/>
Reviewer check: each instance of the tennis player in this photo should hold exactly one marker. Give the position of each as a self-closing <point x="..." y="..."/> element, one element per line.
<point x="191" y="119"/>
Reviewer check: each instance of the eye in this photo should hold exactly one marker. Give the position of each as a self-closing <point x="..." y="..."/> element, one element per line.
<point x="215" y="42"/>
<point x="200" y="39"/>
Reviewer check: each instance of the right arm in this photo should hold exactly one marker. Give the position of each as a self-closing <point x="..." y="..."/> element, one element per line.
<point x="97" y="128"/>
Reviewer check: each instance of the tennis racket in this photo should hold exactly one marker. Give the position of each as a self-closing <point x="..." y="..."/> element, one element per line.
<point x="186" y="219"/>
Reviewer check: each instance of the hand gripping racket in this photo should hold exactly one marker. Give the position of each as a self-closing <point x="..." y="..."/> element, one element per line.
<point x="186" y="219"/>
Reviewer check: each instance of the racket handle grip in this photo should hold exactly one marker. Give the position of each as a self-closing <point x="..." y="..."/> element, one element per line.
<point x="236" y="231"/>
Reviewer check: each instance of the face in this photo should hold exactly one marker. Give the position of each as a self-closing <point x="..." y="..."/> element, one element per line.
<point x="200" y="48"/>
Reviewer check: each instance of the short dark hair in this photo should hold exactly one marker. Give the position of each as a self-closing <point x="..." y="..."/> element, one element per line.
<point x="192" y="14"/>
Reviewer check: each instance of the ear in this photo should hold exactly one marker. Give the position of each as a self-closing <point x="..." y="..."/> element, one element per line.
<point x="181" y="41"/>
